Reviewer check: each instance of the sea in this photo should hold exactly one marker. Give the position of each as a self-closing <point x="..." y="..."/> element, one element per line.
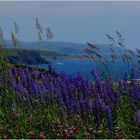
<point x="117" y="70"/>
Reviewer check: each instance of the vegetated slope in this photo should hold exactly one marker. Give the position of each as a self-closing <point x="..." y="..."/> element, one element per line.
<point x="67" y="48"/>
<point x="23" y="56"/>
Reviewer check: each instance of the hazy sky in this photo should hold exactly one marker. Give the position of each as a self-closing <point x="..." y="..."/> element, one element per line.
<point x="74" y="21"/>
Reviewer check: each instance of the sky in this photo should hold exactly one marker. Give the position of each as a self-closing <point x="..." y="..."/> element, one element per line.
<point x="73" y="21"/>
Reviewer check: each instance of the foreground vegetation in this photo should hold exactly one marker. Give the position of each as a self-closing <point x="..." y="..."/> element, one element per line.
<point x="44" y="104"/>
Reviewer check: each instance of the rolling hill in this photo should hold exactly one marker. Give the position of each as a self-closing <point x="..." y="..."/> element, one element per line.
<point x="65" y="48"/>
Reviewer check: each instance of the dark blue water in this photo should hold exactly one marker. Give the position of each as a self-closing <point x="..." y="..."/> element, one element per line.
<point x="72" y="67"/>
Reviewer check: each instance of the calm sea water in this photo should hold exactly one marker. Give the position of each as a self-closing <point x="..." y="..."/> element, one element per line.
<point x="72" y="67"/>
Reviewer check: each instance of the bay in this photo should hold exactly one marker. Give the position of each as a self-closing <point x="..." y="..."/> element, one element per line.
<point x="117" y="70"/>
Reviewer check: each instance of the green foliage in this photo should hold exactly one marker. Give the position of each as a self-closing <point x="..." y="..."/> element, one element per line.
<point x="124" y="117"/>
<point x="23" y="56"/>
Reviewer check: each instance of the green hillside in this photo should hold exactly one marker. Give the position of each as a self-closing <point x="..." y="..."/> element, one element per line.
<point x="22" y="56"/>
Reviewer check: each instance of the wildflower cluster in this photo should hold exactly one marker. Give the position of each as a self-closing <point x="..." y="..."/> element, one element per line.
<point x="74" y="96"/>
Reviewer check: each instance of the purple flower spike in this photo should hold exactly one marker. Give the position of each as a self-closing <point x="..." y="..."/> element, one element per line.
<point x="50" y="69"/>
<point x="138" y="118"/>
<point x="109" y="119"/>
<point x="97" y="80"/>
